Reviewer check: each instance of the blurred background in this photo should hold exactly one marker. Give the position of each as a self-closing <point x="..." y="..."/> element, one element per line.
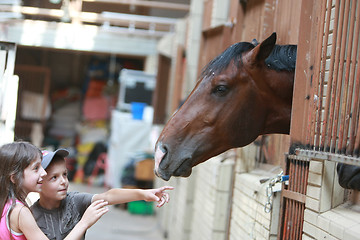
<point x="102" y="77"/>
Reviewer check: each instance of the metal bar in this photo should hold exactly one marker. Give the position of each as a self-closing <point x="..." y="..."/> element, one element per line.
<point x="335" y="79"/>
<point x="290" y="206"/>
<point x="307" y="164"/>
<point x="298" y="181"/>
<point x="304" y="177"/>
<point x="324" y="134"/>
<point x="301" y="178"/>
<point x="298" y="230"/>
<point x="298" y="176"/>
<point x="302" y="185"/>
<point x="350" y="60"/>
<point x="301" y="220"/>
<point x="288" y="226"/>
<point x="328" y="156"/>
<point x="322" y="74"/>
<point x="293" y="220"/>
<point x="350" y="148"/>
<point x="340" y="88"/>
<point x="292" y="174"/>
<point x="286" y="218"/>
<point x="298" y="158"/>
<point x="298" y="220"/>
<point x="285" y="204"/>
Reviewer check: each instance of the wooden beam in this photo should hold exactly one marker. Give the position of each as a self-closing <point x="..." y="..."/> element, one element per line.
<point x="294" y="195"/>
<point x="118" y="19"/>
<point x="150" y="4"/>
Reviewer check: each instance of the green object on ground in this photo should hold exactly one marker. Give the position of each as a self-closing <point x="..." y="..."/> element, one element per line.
<point x="141" y="207"/>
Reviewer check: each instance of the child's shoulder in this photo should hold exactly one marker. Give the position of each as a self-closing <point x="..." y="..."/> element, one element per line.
<point x="20" y="211"/>
<point x="18" y="207"/>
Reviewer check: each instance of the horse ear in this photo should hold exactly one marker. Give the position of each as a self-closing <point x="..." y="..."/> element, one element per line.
<point x="263" y="50"/>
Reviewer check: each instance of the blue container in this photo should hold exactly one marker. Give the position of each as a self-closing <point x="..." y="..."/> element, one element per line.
<point x="137" y="110"/>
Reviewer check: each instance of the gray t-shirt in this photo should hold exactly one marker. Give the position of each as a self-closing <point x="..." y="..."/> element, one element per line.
<point x="58" y="223"/>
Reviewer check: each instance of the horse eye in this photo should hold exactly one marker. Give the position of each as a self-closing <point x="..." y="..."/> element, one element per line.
<point x="220" y="90"/>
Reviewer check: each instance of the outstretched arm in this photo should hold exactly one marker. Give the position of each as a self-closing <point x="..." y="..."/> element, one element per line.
<point x="120" y="195"/>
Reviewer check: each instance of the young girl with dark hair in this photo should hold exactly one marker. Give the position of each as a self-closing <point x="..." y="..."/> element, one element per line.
<point x="20" y="173"/>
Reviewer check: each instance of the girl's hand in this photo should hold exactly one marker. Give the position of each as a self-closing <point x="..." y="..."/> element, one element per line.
<point x="94" y="212"/>
<point x="158" y="195"/>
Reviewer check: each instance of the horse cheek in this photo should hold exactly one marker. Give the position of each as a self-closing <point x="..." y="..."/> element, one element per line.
<point x="247" y="124"/>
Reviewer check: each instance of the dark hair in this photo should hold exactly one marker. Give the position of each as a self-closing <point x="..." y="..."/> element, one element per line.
<point x="14" y="158"/>
<point x="282" y="58"/>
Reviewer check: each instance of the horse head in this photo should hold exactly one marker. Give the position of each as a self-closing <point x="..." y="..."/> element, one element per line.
<point x="242" y="93"/>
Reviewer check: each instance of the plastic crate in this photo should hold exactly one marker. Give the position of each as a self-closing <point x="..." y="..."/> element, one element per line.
<point x="141" y="207"/>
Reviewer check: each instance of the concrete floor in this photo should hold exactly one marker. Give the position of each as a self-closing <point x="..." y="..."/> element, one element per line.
<point x="119" y="224"/>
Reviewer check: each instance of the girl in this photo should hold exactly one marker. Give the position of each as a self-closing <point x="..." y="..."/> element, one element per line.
<point x="21" y="173"/>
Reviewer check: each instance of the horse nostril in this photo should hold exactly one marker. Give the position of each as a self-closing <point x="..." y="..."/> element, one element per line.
<point x="163" y="148"/>
<point x="164" y="163"/>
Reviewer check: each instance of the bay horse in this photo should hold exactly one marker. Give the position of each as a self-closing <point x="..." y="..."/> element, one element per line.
<point x="244" y="92"/>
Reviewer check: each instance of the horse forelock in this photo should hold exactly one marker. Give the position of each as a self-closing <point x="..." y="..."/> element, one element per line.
<point x="282" y="58"/>
<point x="222" y="61"/>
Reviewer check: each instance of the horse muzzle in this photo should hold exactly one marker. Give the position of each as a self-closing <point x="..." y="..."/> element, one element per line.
<point x="165" y="174"/>
<point x="166" y="167"/>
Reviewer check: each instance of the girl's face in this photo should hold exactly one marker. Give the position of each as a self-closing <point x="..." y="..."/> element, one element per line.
<point x="33" y="176"/>
<point x="56" y="182"/>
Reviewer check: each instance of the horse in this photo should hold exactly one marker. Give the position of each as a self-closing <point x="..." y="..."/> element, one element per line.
<point x="244" y="92"/>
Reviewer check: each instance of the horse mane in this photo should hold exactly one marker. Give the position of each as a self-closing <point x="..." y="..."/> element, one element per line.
<point x="282" y="58"/>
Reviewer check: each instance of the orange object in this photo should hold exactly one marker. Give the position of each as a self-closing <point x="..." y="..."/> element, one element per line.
<point x="144" y="170"/>
<point x="95" y="88"/>
<point x="79" y="175"/>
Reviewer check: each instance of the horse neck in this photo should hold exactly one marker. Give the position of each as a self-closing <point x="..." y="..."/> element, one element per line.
<point x="280" y="102"/>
